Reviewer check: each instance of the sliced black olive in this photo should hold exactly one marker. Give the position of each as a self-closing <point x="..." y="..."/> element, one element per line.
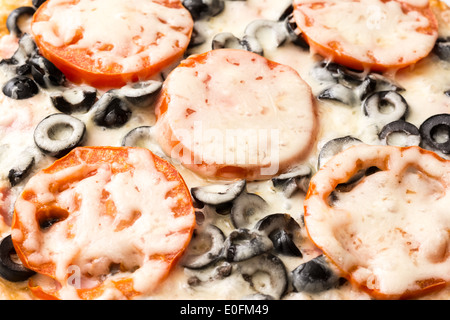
<point x="218" y="194"/>
<point x="204" y="8"/>
<point x="314" y="276"/>
<point x="111" y="111"/>
<point x="45" y="73"/>
<point x="292" y="181"/>
<point x="294" y="34"/>
<point x="340" y="93"/>
<point x="276" y="29"/>
<point x="258" y="296"/>
<point x="205" y="247"/>
<point x="9" y="269"/>
<point x="22" y="168"/>
<point x="242" y="244"/>
<point x="12" y="22"/>
<point x="247" y="209"/>
<point x="197" y="38"/>
<point x="37" y="3"/>
<point x="283" y="230"/>
<point x="20" y="87"/>
<point x="384" y="84"/>
<point x="400" y="133"/>
<point x="385" y="106"/>
<point x="334" y="146"/>
<point x="442" y="49"/>
<point x="228" y="40"/>
<point x="435" y="133"/>
<point x="143" y="137"/>
<point x="26" y="48"/>
<point x="276" y="281"/>
<point x="141" y="93"/>
<point x="78" y="99"/>
<point x="59" y="133"/>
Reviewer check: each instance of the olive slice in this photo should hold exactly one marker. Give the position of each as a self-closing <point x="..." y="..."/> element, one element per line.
<point x="73" y="100"/>
<point x="334" y="146"/>
<point x="9" y="269"/>
<point x="385" y="106"/>
<point x="205" y="247"/>
<point x="400" y="133"/>
<point x="247" y="209"/>
<point x="283" y="230"/>
<point x="204" y="8"/>
<point x="45" y="73"/>
<point x="293" y="180"/>
<point x="340" y="93"/>
<point x="265" y="31"/>
<point x="22" y="168"/>
<point x="243" y="244"/>
<point x="37" y="3"/>
<point x="435" y="133"/>
<point x="59" y="133"/>
<point x="218" y="194"/>
<point x="111" y="111"/>
<point x="228" y="40"/>
<point x="267" y="274"/>
<point x="141" y="94"/>
<point x="314" y="276"/>
<point x="12" y="22"/>
<point x="20" y="88"/>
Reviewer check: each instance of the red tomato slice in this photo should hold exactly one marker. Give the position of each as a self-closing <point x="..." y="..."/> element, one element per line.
<point x="232" y="114"/>
<point x="387" y="231"/>
<point x="103" y="218"/>
<point x="108" y="43"/>
<point x="375" y="35"/>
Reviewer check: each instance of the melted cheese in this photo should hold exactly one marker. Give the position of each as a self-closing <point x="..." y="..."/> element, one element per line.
<point x="117" y="32"/>
<point x="96" y="240"/>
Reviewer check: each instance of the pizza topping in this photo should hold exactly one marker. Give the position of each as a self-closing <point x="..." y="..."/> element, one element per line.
<point x="111" y="111"/>
<point x="108" y="43"/>
<point x="314" y="276"/>
<point x="242" y="244"/>
<point x="247" y="208"/>
<point x="37" y="3"/>
<point x="205" y="247"/>
<point x="142" y="93"/>
<point x="119" y="217"/>
<point x="44" y="72"/>
<point x="26" y="48"/>
<point x="292" y="181"/>
<point x="74" y="100"/>
<point x="218" y="194"/>
<point x="227" y="40"/>
<point x="22" y="168"/>
<point x="202" y="125"/>
<point x="12" y="23"/>
<point x="58" y="134"/>
<point x="284" y="232"/>
<point x="267" y="274"/>
<point x="340" y="93"/>
<point x="10" y="269"/>
<point x="375" y="231"/>
<point x="204" y="8"/>
<point x="400" y="133"/>
<point x="20" y="88"/>
<point x="435" y="132"/>
<point x="368" y="34"/>
<point x="385" y="106"/>
<point x="334" y="146"/>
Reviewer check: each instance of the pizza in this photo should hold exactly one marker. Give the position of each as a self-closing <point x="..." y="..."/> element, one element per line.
<point x="225" y="150"/>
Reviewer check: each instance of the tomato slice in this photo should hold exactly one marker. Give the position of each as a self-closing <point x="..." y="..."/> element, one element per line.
<point x="365" y="34"/>
<point x="103" y="219"/>
<point x="387" y="229"/>
<point x="108" y="43"/>
<point x="233" y="114"/>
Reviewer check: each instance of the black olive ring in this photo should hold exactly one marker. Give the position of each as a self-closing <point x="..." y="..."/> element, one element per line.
<point x="10" y="270"/>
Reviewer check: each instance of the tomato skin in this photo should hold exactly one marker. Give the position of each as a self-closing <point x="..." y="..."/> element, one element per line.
<point x="183" y="207"/>
<point x="78" y="67"/>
